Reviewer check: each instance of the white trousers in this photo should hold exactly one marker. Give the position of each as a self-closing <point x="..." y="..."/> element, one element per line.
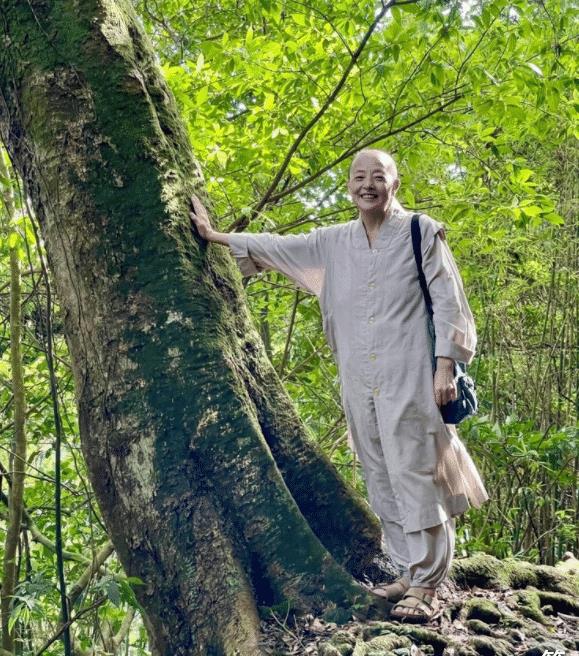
<point x="422" y="556"/>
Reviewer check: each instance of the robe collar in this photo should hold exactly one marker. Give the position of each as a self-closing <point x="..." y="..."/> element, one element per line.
<point x="389" y="228"/>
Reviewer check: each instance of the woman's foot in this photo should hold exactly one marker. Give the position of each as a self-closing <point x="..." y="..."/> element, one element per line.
<point x="392" y="591"/>
<point x="418" y="605"/>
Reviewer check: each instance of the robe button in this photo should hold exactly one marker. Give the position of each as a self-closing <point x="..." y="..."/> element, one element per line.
<point x="374" y="251"/>
<point x="371" y="285"/>
<point x="372" y="356"/>
<point x="371" y="320"/>
<point x="376" y="391"/>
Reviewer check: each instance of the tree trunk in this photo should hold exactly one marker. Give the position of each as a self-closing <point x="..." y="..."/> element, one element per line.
<point x="209" y="486"/>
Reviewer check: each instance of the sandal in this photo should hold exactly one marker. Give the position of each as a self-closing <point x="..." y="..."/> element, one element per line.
<point x="422" y="605"/>
<point x="392" y="591"/>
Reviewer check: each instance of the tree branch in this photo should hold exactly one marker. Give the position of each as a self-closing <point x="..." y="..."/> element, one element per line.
<point x="64" y="627"/>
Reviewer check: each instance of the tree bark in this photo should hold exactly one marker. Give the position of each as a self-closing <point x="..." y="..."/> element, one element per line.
<point x="211" y="490"/>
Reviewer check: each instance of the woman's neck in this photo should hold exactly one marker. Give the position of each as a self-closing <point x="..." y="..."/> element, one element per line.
<point x="372" y="220"/>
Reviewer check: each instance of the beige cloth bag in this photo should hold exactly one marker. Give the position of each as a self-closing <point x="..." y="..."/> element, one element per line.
<point x="455" y="468"/>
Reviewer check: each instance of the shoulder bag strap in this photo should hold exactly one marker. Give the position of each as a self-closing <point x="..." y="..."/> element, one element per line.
<point x="416" y="242"/>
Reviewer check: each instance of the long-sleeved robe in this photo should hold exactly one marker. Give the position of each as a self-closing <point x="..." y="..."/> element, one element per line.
<point x="375" y="321"/>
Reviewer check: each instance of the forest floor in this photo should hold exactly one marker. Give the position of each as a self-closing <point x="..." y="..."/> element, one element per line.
<point x="488" y="608"/>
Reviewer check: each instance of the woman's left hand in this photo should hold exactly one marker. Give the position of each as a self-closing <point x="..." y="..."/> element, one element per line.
<point x="444" y="385"/>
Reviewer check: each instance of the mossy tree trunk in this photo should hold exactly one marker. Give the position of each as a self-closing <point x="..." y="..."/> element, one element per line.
<point x="208" y="485"/>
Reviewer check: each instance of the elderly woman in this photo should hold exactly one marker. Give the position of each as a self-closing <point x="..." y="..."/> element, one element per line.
<point x="418" y="474"/>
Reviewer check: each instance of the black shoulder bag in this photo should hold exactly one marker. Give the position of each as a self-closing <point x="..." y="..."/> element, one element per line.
<point x="465" y="405"/>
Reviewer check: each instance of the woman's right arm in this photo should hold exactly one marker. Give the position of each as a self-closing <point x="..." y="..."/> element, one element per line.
<point x="299" y="257"/>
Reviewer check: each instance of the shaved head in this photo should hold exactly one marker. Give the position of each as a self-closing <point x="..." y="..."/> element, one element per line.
<point x="381" y="155"/>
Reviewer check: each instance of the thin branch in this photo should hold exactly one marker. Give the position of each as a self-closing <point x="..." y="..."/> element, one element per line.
<point x="125" y="627"/>
<point x="84" y="579"/>
<point x="286" y="350"/>
<point x="471" y="53"/>
<point x="99" y="602"/>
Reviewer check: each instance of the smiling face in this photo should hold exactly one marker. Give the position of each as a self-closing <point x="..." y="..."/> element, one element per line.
<point x="373" y="182"/>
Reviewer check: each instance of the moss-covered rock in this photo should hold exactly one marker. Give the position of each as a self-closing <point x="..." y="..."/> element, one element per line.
<point x="529" y="605"/>
<point x="360" y="649"/>
<point x="561" y="603"/>
<point x="343" y="636"/>
<point x="486" y="646"/>
<point x="327" y="649"/>
<point x="344" y="642"/>
<point x="511" y="621"/>
<point x="389" y="642"/>
<point x="481" y="570"/>
<point x="482" y="609"/>
<point x="418" y="634"/>
<point x="487" y="571"/>
<point x="479" y="627"/>
<point x="465" y="650"/>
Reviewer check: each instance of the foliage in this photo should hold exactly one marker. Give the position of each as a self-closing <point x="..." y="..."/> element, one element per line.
<point x="475" y="101"/>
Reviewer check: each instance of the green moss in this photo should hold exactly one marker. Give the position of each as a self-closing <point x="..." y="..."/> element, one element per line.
<point x="344" y="642"/>
<point x="561" y="603"/>
<point x="481" y="570"/>
<point x="465" y="650"/>
<point x="417" y="634"/>
<point x="389" y="642"/>
<point x="486" y="646"/>
<point x="360" y="649"/>
<point x="509" y="620"/>
<point x="529" y="605"/>
<point x="327" y="649"/>
<point x="487" y="571"/>
<point x="345" y="648"/>
<point x="482" y="609"/>
<point x="479" y="627"/>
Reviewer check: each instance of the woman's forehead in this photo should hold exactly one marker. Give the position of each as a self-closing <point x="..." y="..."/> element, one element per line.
<point x="375" y="162"/>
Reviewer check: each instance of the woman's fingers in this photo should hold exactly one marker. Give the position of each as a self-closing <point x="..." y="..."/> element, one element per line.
<point x="444" y="391"/>
<point x="198" y="207"/>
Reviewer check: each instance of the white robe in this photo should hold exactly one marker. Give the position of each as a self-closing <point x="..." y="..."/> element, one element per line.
<point x="375" y="321"/>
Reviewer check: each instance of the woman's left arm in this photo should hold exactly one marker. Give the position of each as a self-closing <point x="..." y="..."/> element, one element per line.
<point x="453" y="321"/>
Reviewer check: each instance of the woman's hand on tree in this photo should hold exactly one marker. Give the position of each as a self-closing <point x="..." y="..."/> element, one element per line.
<point x="200" y="218"/>
<point x="444" y="384"/>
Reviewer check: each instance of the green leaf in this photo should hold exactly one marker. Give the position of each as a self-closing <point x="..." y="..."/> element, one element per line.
<point x="202" y="95"/>
<point x="269" y="102"/>
<point x="532" y="210"/>
<point x="13" y="239"/>
<point x="112" y="591"/>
